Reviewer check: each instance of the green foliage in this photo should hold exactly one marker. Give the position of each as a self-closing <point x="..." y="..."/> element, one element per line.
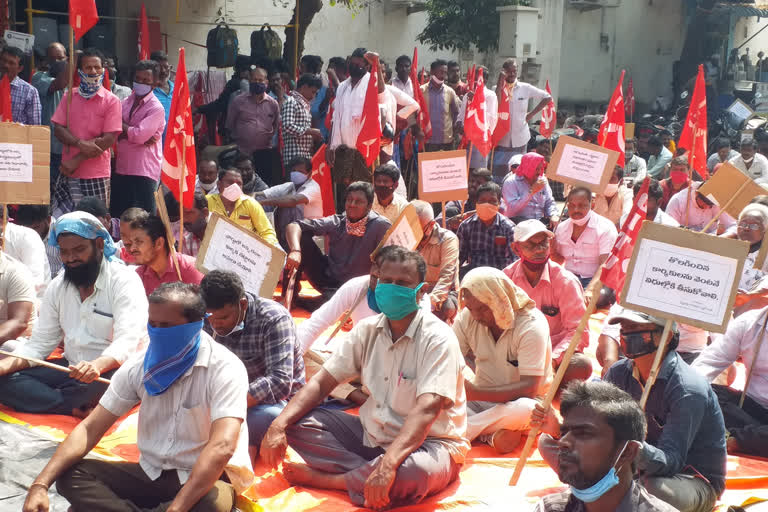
<point x="458" y="24"/>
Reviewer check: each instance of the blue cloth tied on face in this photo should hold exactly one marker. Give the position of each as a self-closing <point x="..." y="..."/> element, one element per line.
<point x="171" y="352"/>
<point x="84" y="225"/>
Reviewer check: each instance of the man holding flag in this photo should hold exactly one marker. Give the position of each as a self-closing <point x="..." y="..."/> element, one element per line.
<point x="477" y="160"/>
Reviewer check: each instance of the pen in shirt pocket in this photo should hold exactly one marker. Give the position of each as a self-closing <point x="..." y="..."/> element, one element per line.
<point x="102" y="313"/>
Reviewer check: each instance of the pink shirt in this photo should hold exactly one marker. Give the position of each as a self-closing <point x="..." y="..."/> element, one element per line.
<point x="582" y="257"/>
<point x="90" y="119"/>
<point x="147" y="121"/>
<point x="189" y="274"/>
<point x="558" y="295"/>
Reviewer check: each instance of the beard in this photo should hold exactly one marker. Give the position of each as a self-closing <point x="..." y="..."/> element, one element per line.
<point x="85" y="274"/>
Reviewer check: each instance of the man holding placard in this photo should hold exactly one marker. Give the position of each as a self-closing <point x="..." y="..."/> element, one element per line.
<point x="698" y="211"/>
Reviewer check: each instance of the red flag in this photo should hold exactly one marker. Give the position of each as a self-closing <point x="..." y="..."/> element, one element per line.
<point x="548" y="117"/>
<point x="6" y="109"/>
<point x="143" y="34"/>
<point x="503" y="123"/>
<point x="425" y="122"/>
<point x="107" y="84"/>
<point x="321" y="173"/>
<point x="630" y="103"/>
<point x="476" y="123"/>
<point x="611" y="134"/>
<point x="615" y="267"/>
<point x="179" y="151"/>
<point x="694" y="136"/>
<point x="471" y="78"/>
<point x="82" y="16"/>
<point x="369" y="138"/>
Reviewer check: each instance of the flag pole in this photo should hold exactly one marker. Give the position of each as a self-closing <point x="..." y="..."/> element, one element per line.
<point x="182" y="181"/>
<point x="726" y="205"/>
<point x="656" y="363"/>
<point x="71" y="71"/>
<point x="690" y="179"/>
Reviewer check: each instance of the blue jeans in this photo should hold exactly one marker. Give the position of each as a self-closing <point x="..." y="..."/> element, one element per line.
<point x="42" y="390"/>
<point x="259" y="419"/>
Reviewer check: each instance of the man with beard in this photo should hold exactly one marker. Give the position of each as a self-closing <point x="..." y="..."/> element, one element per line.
<point x="97" y="306"/>
<point x="600" y="439"/>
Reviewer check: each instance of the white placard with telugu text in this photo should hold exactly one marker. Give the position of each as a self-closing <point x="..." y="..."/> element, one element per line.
<point x="16" y="162"/>
<point x="441" y="175"/>
<point x="582" y="164"/>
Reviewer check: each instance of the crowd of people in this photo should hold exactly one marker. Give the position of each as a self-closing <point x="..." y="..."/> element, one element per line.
<point x="452" y="342"/>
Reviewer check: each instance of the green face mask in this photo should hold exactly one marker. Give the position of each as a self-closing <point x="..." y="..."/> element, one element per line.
<point x="396" y="301"/>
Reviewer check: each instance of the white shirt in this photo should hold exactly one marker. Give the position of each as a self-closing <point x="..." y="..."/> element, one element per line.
<point x="406" y="87"/>
<point x="389" y="101"/>
<point x="348" y="112"/>
<point x="111" y="322"/>
<point x="758" y="171"/>
<point x="491" y="108"/>
<point x="174" y="426"/>
<point x="635" y="170"/>
<point x="314" y="207"/>
<point x="661" y="218"/>
<point x="15" y="284"/>
<point x="740" y="340"/>
<point x="582" y="257"/>
<point x="697" y="218"/>
<point x="199" y="187"/>
<point x="519" y="133"/>
<point x="750" y="276"/>
<point x="714" y="159"/>
<point x="26" y="246"/>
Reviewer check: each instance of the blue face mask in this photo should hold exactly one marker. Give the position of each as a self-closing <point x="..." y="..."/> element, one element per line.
<point x="171" y="352"/>
<point x="89" y="85"/>
<point x="396" y="301"/>
<point x="298" y="178"/>
<point x="608" y="482"/>
<point x="371" y="296"/>
<point x="258" y="88"/>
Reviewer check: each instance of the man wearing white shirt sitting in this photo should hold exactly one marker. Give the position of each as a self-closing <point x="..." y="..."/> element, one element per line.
<point x="191" y="424"/>
<point x="25" y="245"/>
<point x="723" y="153"/>
<point x="750" y="162"/>
<point x="17" y="300"/>
<point x="697" y="213"/>
<point x="207" y="175"/>
<point x="97" y="306"/>
<point x="653" y="212"/>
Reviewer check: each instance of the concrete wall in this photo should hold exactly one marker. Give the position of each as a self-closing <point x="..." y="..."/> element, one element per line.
<point x="385" y="28"/>
<point x="744" y="28"/>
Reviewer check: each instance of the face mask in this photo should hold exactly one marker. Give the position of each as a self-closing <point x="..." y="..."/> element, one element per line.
<point x="141" y="89"/>
<point x="584" y="220"/>
<point x="356" y="71"/>
<point x="258" y="88"/>
<point x="89" y="85"/>
<point x="535" y="266"/>
<point x="298" y="178"/>
<point x="437" y="81"/>
<point x="628" y="155"/>
<point x="637" y="345"/>
<point x="237" y="328"/>
<point x="748" y="160"/>
<point x="171" y="352"/>
<point x="232" y="192"/>
<point x="608" y="482"/>
<point x="371" y="296"/>
<point x="611" y="189"/>
<point x="486" y="211"/>
<point x="208" y="186"/>
<point x="678" y="177"/>
<point x="396" y="301"/>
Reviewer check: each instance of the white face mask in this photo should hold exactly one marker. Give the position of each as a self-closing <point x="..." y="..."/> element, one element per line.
<point x="583" y="220"/>
<point x="232" y="192"/>
<point x="611" y="189"/>
<point x="436" y="81"/>
<point x="748" y="160"/>
<point x="208" y="186"/>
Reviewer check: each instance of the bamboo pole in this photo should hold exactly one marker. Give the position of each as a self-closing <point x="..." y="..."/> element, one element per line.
<point x="289" y="290"/>
<point x="752" y="365"/>
<point x="345" y="317"/>
<point x="46" y="364"/>
<point x="726" y="205"/>
<point x="182" y="180"/>
<point x="656" y="363"/>
<point x="71" y="72"/>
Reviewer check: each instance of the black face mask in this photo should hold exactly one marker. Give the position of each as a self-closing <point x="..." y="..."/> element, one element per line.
<point x="637" y="344"/>
<point x="356" y="71"/>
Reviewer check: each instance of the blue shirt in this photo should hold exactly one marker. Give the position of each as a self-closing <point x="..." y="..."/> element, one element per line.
<point x="656" y="164"/>
<point x="686" y="433"/>
<point x="318" y="117"/>
<point x="165" y="99"/>
<point x="486" y="246"/>
<point x="516" y="189"/>
<point x="50" y="102"/>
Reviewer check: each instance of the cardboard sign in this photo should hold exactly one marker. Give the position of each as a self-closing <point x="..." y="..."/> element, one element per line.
<point x="629" y="130"/>
<point x="721" y="188"/>
<point x="25" y="159"/>
<point x="25" y="42"/>
<point x="740" y="110"/>
<point x="582" y="164"/>
<point x="405" y="232"/>
<point x="684" y="276"/>
<point x="229" y="246"/>
<point x="443" y="176"/>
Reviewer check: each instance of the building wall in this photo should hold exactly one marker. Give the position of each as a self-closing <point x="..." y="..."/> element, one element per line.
<point x="743" y="29"/>
<point x="385" y="28"/>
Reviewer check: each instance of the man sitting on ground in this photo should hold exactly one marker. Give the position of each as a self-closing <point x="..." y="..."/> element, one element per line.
<point x="697" y="212"/>
<point x="557" y="293"/>
<point x="386" y="203"/>
<point x="616" y="200"/>
<point x="231" y="202"/>
<point x="195" y="224"/>
<point x="191" y="424"/>
<point x="207" y="174"/>
<point x="97" y="306"/>
<point x="38" y="217"/>
<point x="353" y="236"/>
<point x="455" y="209"/>
<point x="152" y="252"/>
<point x="17" y="300"/>
<point x="409" y="439"/>
<point x="485" y="239"/>
<point x="527" y="193"/>
<point x="26" y="246"/>
<point x="601" y="437"/>
<point x="506" y="341"/>
<point x="262" y="334"/>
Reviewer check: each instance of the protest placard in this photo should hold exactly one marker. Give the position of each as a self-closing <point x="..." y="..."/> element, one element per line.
<point x="229" y="246"/>
<point x="405" y="232"/>
<point x="740" y="110"/>
<point x="443" y="176"/>
<point x="582" y="164"/>
<point x="25" y="42"/>
<point x="629" y="130"/>
<point x="684" y="276"/>
<point x="731" y="189"/>
<point x="25" y="154"/>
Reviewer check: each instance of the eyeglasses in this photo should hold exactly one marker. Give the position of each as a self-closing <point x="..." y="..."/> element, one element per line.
<point x="531" y="246"/>
<point x="750" y="226"/>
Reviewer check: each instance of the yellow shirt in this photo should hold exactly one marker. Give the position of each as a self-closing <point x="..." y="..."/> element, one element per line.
<point x="247" y="213"/>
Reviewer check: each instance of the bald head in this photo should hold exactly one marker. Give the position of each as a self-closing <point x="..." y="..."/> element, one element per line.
<point x="56" y="52"/>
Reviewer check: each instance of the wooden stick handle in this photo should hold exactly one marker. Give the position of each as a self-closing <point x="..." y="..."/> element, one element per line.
<point x="289" y="291"/>
<point x="445" y="214"/>
<point x="726" y="205"/>
<point x="656" y="363"/>
<point x="547" y="403"/>
<point x="345" y="318"/>
<point x="752" y="365"/>
<point x="46" y="364"/>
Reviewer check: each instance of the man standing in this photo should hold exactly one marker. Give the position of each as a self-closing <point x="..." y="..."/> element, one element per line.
<point x="262" y="334"/>
<point x="659" y="157"/>
<point x="121" y="91"/>
<point x="296" y="116"/>
<point x="443" y="108"/>
<point x="750" y="162"/>
<point x="409" y="440"/>
<point x="387" y="203"/>
<point x="519" y="94"/>
<point x="25" y="101"/>
<point x="253" y="119"/>
<point x="453" y="79"/>
<point x="97" y="306"/>
<point x="139" y="154"/>
<point x="50" y="86"/>
<point x="164" y="87"/>
<point x="207" y="174"/>
<point x="191" y="426"/>
<point x="87" y="131"/>
<point x="402" y="79"/>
